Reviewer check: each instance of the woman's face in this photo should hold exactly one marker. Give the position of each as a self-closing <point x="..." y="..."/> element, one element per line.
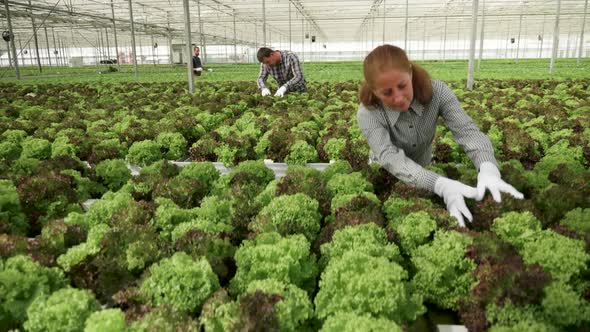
<point x="394" y="89"/>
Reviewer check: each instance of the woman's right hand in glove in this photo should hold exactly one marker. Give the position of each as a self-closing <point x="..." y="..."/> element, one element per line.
<point x="454" y="194"/>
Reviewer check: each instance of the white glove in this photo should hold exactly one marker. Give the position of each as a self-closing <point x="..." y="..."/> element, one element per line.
<point x="209" y="69"/>
<point x="265" y="92"/>
<point x="454" y="193"/>
<point x="489" y="178"/>
<point x="281" y="91"/>
<point x="199" y="69"/>
<point x="372" y="157"/>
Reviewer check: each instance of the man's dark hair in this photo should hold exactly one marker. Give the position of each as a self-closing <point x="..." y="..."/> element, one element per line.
<point x="263" y="52"/>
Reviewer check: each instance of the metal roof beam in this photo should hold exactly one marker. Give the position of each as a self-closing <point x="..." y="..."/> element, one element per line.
<point x="74" y="17"/>
<point x="308" y="17"/>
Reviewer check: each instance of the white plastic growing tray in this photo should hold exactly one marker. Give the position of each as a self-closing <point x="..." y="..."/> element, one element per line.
<point x="278" y="168"/>
<point x="451" y="328"/>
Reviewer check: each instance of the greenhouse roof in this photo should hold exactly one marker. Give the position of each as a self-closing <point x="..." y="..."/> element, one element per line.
<point x="79" y="22"/>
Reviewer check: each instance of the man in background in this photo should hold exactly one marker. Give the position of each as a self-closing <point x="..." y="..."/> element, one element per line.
<point x="284" y="67"/>
<point x="197" y="65"/>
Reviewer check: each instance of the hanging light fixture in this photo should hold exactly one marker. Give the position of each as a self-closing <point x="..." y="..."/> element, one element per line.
<point x="7" y="36"/>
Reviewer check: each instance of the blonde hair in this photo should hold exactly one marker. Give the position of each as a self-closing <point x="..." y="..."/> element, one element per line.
<point x="389" y="57"/>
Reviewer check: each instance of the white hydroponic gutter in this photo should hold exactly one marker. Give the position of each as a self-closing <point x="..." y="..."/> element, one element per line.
<point x="280" y="169"/>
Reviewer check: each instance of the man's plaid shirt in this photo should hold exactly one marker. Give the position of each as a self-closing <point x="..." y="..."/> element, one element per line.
<point x="287" y="72"/>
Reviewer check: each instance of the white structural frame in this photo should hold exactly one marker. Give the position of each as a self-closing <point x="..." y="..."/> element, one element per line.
<point x="432" y="29"/>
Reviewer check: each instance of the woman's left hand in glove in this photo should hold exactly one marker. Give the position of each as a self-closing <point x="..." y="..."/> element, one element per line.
<point x="489" y="178"/>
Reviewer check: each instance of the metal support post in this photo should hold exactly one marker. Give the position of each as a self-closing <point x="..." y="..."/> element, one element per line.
<point x="555" y="38"/>
<point x="133" y="37"/>
<point x="406" y="29"/>
<point x="106" y="36"/>
<point x="170" y="54"/>
<point x="483" y="17"/>
<point x="519" y="32"/>
<point x="384" y="13"/>
<point x="187" y="35"/>
<point x="14" y="56"/>
<point x="115" y="35"/>
<point x="36" y="40"/>
<point x="472" y="45"/>
<point x="445" y="37"/>
<point x="22" y="53"/>
<point x="55" y="48"/>
<point x="235" y="41"/>
<point x="48" y="50"/>
<point x="264" y="22"/>
<point x="582" y="33"/>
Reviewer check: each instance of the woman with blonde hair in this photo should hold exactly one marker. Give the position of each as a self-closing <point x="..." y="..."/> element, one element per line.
<point x="398" y="113"/>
